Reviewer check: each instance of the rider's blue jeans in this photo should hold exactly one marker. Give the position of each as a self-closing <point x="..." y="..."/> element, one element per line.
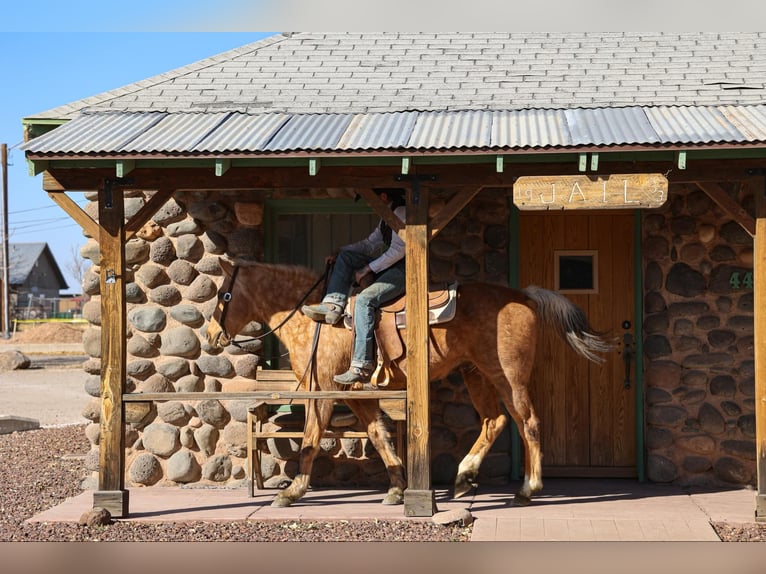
<point x="388" y="285"/>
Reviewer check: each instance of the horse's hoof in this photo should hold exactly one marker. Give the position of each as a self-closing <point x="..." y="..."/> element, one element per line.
<point x="281" y="502"/>
<point x="463" y="487"/>
<point x="392" y="499"/>
<point x="521" y="500"/>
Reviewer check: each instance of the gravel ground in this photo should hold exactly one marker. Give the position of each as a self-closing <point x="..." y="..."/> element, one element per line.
<point x="42" y="468"/>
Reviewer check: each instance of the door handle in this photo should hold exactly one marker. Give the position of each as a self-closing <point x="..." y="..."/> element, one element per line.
<point x="628" y="352"/>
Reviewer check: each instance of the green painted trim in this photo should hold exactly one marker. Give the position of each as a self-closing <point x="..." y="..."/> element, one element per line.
<point x="638" y="320"/>
<point x="514" y="260"/>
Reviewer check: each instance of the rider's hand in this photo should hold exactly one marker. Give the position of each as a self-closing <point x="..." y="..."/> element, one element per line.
<point x="361" y="273"/>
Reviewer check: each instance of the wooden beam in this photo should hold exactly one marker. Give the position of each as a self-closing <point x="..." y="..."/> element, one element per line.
<point x="418" y="497"/>
<point x="111" y="493"/>
<point x="759" y="293"/>
<point x="405" y="165"/>
<point x="582" y="164"/>
<point x="77" y="213"/>
<point x="499" y="164"/>
<point x="239" y="178"/>
<point x="145" y="213"/>
<point x="594" y="162"/>
<point x="681" y="159"/>
<point x="453" y="207"/>
<point x="381" y="208"/>
<point x="314" y="165"/>
<point x="263" y="395"/>
<point x="731" y="207"/>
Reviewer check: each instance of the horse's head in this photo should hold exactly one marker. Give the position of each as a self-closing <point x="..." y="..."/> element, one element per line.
<point x="231" y="314"/>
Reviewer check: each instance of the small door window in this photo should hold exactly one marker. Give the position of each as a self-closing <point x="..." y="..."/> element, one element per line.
<point x="576" y="271"/>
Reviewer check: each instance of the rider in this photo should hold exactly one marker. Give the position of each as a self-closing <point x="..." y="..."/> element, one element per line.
<point x="381" y="255"/>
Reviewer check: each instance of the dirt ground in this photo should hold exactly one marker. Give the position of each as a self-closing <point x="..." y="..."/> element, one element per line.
<point x="47" y="333"/>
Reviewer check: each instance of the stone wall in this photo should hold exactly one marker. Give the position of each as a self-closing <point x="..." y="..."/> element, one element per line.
<point x="698" y="342"/>
<point x="172" y="278"/>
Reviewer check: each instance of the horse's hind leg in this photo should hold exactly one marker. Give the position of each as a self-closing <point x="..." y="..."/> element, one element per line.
<point x="519" y="405"/>
<point x="493" y="421"/>
<point x="370" y="415"/>
<point x="318" y="414"/>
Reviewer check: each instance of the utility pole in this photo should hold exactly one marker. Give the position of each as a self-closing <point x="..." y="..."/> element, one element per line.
<point x="6" y="303"/>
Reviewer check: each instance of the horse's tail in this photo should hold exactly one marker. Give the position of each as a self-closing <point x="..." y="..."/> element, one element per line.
<point x="570" y="322"/>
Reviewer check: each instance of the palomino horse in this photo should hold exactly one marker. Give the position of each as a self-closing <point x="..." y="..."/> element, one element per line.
<point x="491" y="340"/>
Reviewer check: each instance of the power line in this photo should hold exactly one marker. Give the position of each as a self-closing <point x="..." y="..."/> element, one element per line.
<point x="83" y="202"/>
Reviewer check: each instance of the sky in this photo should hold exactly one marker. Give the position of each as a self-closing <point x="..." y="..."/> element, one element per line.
<point x="58" y="51"/>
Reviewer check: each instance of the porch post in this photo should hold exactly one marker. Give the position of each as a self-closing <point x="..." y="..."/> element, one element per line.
<point x="111" y="493"/>
<point x="759" y="272"/>
<point x="418" y="497"/>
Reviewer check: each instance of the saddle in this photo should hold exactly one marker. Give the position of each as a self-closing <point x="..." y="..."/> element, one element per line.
<point x="442" y="304"/>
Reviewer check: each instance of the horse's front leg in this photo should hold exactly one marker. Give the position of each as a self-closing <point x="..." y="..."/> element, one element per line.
<point x="318" y="414"/>
<point x="371" y="417"/>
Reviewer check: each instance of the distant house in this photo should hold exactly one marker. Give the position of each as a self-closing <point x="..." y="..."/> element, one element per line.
<point x="35" y="281"/>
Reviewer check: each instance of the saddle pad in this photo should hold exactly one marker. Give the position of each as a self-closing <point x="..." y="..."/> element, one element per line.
<point x="440" y="308"/>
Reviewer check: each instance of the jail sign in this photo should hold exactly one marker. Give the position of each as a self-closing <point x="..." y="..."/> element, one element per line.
<point x="616" y="191"/>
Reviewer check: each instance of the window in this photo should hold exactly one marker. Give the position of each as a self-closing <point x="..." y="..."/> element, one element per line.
<point x="576" y="271"/>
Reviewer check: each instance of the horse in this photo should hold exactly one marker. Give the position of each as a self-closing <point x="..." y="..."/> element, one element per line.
<point x="490" y="340"/>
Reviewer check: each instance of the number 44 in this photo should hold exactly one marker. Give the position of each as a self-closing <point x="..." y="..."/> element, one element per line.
<point x="746" y="281"/>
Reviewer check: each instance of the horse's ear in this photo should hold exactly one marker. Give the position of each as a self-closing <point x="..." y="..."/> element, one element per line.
<point x="226" y="265"/>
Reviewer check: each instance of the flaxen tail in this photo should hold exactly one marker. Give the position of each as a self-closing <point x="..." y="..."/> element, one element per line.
<point x="570" y="322"/>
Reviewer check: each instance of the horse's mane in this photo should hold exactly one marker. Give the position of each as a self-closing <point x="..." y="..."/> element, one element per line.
<point x="292" y="273"/>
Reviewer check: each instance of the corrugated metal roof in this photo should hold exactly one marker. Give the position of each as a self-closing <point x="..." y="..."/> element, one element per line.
<point x="221" y="133"/>
<point x="378" y="131"/>
<point x="692" y="125"/>
<point x="311" y="132"/>
<point x="450" y="130"/>
<point x="750" y="121"/>
<point x="610" y="126"/>
<point x="243" y="132"/>
<point x="530" y="129"/>
<point x="175" y="133"/>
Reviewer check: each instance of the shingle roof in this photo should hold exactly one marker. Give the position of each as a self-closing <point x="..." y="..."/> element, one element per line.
<point x="385" y="72"/>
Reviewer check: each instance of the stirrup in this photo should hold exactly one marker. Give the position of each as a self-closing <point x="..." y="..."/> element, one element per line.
<point x="353" y="375"/>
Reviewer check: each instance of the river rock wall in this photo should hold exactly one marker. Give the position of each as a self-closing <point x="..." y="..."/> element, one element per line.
<point x="698" y="342"/>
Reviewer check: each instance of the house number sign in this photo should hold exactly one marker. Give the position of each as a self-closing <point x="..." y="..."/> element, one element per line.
<point x="616" y="191"/>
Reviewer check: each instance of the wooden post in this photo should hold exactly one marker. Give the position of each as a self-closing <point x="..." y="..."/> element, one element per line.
<point x="111" y="493"/>
<point x="759" y="249"/>
<point x="418" y="497"/>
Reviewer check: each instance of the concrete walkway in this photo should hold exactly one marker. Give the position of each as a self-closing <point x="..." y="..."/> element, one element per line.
<point x="568" y="510"/>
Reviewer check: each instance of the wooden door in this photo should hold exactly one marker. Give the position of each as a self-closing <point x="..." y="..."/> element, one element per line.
<point x="587" y="411"/>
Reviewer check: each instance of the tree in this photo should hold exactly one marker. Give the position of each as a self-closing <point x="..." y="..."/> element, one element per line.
<point x="77" y="266"/>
